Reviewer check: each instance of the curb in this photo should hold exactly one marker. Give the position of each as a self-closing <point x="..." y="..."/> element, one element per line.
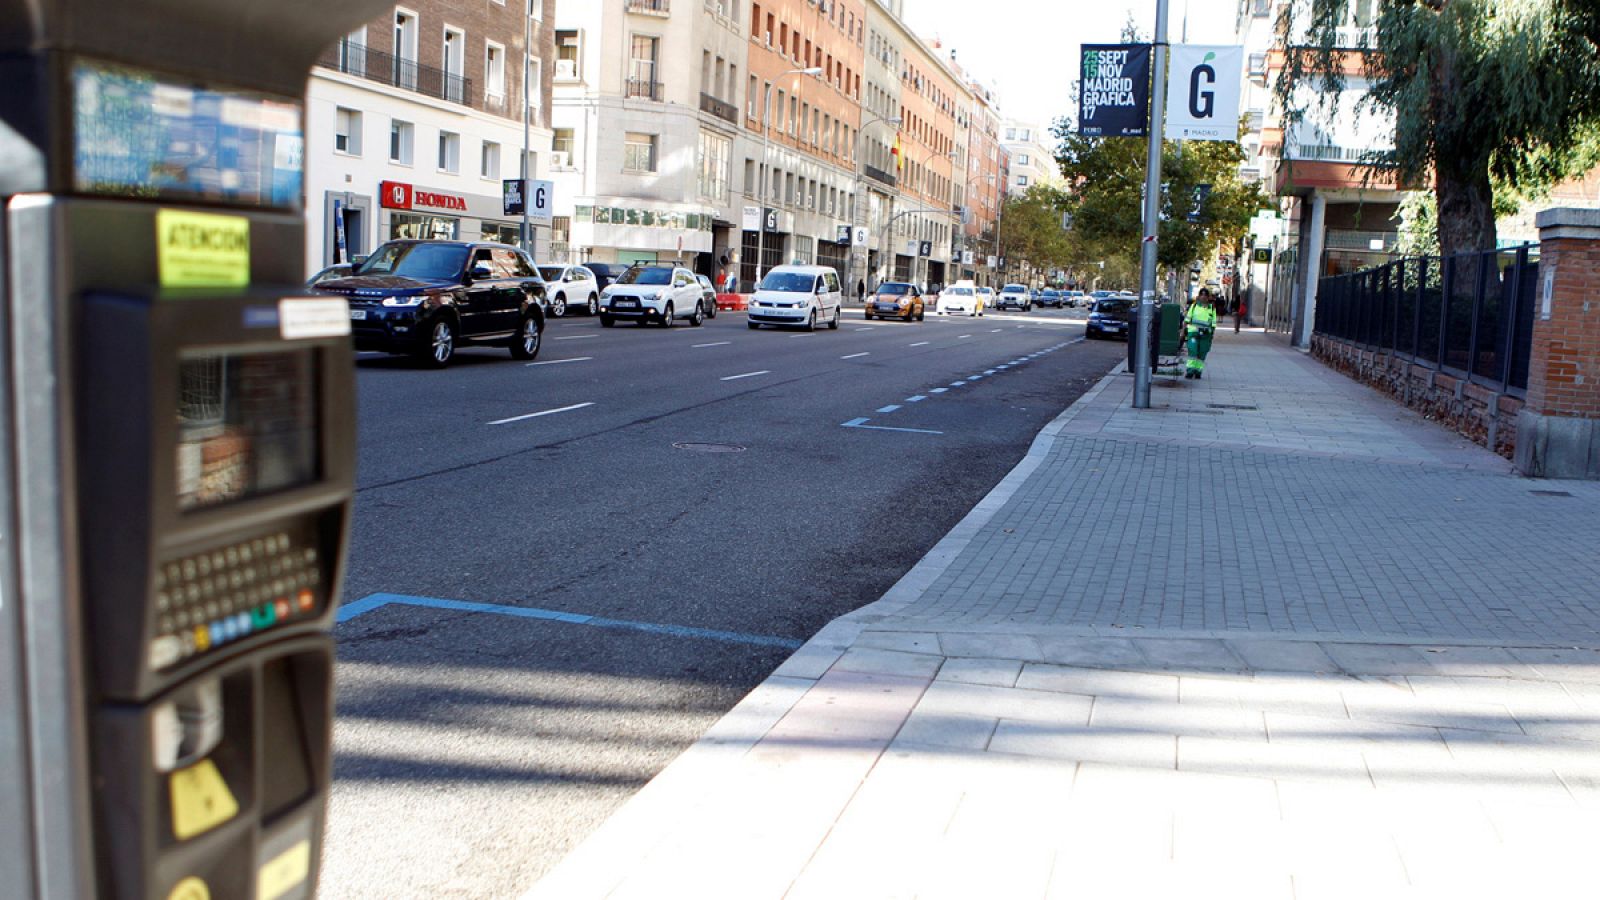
<point x="636" y="827"/>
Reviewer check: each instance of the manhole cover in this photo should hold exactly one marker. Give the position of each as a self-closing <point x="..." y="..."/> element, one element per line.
<point x="1550" y="493"/>
<point x="1231" y="406"/>
<point x="702" y="447"/>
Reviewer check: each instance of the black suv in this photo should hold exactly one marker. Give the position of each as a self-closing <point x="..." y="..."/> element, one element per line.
<point x="427" y="297"/>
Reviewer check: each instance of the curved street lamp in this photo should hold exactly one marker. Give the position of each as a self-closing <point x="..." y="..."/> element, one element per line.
<point x="859" y="213"/>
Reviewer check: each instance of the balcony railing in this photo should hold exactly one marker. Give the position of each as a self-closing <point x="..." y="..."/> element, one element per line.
<point x="386" y="68"/>
<point x="719" y="108"/>
<point x="643" y="89"/>
<point x="878" y="175"/>
<point x="650" y="7"/>
<point x="1329" y="153"/>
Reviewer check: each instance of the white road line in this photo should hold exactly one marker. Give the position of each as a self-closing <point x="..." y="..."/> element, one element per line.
<point x="712" y="344"/>
<point x="866" y="328"/>
<point x="920" y="344"/>
<point x="889" y="409"/>
<point x="803" y="335"/>
<point x="994" y="331"/>
<point x="963" y="337"/>
<point x="917" y="398"/>
<point x="575" y="337"/>
<point x="855" y="355"/>
<point x="957" y="383"/>
<point x="938" y="390"/>
<point x="747" y="375"/>
<point x="557" y="362"/>
<point x="548" y="412"/>
<point x="974" y="377"/>
<point x="988" y="371"/>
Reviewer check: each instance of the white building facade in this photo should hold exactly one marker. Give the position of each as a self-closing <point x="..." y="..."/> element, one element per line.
<point x="1033" y="159"/>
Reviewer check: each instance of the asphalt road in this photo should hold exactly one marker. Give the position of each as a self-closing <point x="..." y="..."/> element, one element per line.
<point x="548" y="599"/>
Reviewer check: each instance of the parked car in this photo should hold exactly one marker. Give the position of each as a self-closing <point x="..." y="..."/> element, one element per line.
<point x="428" y="297"/>
<point x="1075" y="299"/>
<point x="1014" y="296"/>
<point x="338" y="270"/>
<point x="898" y="299"/>
<point x="1051" y="297"/>
<point x="1110" y="316"/>
<point x="797" y="295"/>
<point x="961" y="299"/>
<point x="653" y="293"/>
<point x="710" y="294"/>
<point x="605" y="273"/>
<point x="571" y="287"/>
<point x="986" y="297"/>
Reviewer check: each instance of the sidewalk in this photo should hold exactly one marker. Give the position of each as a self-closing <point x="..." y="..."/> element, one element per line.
<point x="1275" y="637"/>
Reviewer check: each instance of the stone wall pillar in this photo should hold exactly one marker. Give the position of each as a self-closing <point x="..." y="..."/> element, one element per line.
<point x="1558" y="429"/>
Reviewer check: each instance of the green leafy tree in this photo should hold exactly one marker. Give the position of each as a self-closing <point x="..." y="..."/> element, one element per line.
<point x="1030" y="229"/>
<point x="1494" y="100"/>
<point x="1105" y="197"/>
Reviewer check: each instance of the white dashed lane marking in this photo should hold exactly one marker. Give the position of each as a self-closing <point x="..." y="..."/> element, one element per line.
<point x="747" y="375"/>
<point x="535" y="415"/>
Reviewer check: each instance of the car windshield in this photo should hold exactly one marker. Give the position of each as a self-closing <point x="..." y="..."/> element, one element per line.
<point x="1114" y="305"/>
<point x="789" y="282"/>
<point x="646" y="275"/>
<point x="441" y="261"/>
<point x="551" y="273"/>
<point x="959" y="292"/>
<point x="1014" y="289"/>
<point x="894" y="288"/>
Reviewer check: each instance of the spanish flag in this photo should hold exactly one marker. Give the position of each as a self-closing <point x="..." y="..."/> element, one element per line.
<point x="899" y="158"/>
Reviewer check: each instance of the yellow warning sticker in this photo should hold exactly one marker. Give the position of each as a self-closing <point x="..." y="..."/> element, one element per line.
<point x="202" y="249"/>
<point x="200" y="800"/>
<point x="190" y="888"/>
<point x="284" y="872"/>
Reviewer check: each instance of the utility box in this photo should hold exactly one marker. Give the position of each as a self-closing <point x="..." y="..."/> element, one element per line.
<point x="179" y="453"/>
<point x="1170" y="330"/>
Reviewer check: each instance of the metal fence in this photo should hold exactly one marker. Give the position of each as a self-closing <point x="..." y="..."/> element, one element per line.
<point x="1470" y="315"/>
<point x="386" y="68"/>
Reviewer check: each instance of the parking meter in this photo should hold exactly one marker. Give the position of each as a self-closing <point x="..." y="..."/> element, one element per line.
<point x="178" y="454"/>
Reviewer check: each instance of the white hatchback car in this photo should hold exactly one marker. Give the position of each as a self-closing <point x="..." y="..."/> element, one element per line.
<point x="960" y="299"/>
<point x="797" y="295"/>
<point x="653" y="293"/>
<point x="570" y="288"/>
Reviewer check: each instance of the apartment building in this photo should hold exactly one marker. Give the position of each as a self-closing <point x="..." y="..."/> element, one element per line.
<point x="987" y="177"/>
<point x="933" y="110"/>
<point x="880" y="125"/>
<point x="1033" y="159"/>
<point x="414" y="119"/>
<point x="805" y="61"/>
<point x="646" y="127"/>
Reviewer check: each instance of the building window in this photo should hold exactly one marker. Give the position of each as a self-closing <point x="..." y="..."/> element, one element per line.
<point x="489" y="161"/>
<point x="347" y="131"/>
<point x="494" y="70"/>
<point x="567" y="56"/>
<point x="454" y="55"/>
<point x="1022" y="181"/>
<point x="715" y="158"/>
<point x="449" y="152"/>
<point x="535" y="85"/>
<point x="401" y="136"/>
<point x="639" y="152"/>
<point x="536" y="10"/>
<point x="643" y="54"/>
<point x="751" y="99"/>
<point x="405" y="50"/>
<point x="561" y="148"/>
<point x="1022" y="159"/>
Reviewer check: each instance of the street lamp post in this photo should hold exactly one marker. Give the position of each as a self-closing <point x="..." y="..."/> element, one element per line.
<point x="1142" y="351"/>
<point x="527" y="51"/>
<point x="999" y="214"/>
<point x="861" y="132"/>
<point x="924" y="164"/>
<point x="766" y="148"/>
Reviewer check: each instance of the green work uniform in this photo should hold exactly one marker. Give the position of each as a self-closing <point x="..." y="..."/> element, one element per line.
<point x="1202" y="323"/>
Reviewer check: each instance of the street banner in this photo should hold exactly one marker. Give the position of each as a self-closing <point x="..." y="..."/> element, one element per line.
<point x="1203" y="93"/>
<point x="860" y="237"/>
<point x="925" y="248"/>
<point x="841" y="234"/>
<point x="541" y="199"/>
<point x="1114" y="94"/>
<point x="993" y="261"/>
<point x="750" y="220"/>
<point x="513" y="194"/>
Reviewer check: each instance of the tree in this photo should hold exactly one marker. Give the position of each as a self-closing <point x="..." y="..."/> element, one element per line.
<point x="1030" y="229"/>
<point x="1105" y="198"/>
<point x="1491" y="98"/>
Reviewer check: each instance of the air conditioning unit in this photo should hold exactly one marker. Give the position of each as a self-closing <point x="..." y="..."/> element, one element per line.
<point x="560" y="159"/>
<point x="567" y="69"/>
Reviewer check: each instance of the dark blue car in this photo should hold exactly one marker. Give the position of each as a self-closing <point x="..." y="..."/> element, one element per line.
<point x="426" y="298"/>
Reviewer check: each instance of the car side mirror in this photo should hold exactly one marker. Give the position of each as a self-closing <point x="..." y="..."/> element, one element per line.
<point x="481" y="273"/>
<point x="358" y="260"/>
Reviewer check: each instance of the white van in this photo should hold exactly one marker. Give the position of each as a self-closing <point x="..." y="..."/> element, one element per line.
<point x="960" y="298"/>
<point x="797" y="295"/>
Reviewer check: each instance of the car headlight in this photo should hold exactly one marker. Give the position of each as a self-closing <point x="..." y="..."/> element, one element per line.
<point x="413" y="300"/>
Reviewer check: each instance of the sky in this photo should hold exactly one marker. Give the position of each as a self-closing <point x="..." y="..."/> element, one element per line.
<point x="1028" y="49"/>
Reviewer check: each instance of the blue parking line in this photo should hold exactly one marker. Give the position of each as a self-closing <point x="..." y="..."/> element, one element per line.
<point x="375" y="601"/>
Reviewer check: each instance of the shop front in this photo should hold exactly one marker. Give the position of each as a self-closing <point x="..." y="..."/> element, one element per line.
<point x="419" y="213"/>
<point x="625" y="232"/>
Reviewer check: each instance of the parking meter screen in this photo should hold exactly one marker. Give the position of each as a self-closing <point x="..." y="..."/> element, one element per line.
<point x="137" y="134"/>
<point x="247" y="425"/>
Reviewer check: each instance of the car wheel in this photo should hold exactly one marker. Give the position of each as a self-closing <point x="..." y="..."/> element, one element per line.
<point x="594" y="305"/>
<point x="526" y="344"/>
<point x="922" y="313"/>
<point x="666" y="317"/>
<point x="558" y="306"/>
<point x="711" y="308"/>
<point x="699" y="317"/>
<point x="753" y="325"/>
<point x="811" y="322"/>
<point x="833" y="324"/>
<point x="441" y="345"/>
<point x="607" y="322"/>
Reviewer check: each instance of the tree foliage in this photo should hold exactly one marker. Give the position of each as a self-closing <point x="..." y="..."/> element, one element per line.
<point x="1030" y="229"/>
<point x="1106" y="179"/>
<point x="1491" y="98"/>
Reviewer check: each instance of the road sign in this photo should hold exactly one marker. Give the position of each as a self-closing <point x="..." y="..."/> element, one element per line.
<point x="1203" y="91"/>
<point x="1198" y="198"/>
<point x="541" y="200"/>
<point x="771" y="216"/>
<point x="966" y="257"/>
<point x="1261" y="256"/>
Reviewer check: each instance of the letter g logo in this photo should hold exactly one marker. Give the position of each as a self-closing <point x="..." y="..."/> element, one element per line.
<point x="1202" y="102"/>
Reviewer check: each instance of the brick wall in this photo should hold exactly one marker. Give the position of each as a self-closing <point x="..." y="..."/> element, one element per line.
<point x="1485" y="416"/>
<point x="1564" y="375"/>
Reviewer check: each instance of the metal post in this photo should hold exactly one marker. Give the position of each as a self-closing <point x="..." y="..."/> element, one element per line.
<point x="761" y="181"/>
<point x="1142" y="352"/>
<point x="527" y="176"/>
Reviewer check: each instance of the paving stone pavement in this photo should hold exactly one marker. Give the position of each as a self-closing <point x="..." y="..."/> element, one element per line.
<point x="1368" y="665"/>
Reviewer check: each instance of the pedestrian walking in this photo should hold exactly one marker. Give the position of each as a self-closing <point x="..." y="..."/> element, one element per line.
<point x="1239" y="312"/>
<point x="861" y="289"/>
<point x="1201" y="325"/>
